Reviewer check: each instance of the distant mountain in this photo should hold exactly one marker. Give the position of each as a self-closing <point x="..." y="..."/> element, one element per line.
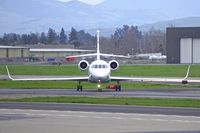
<point x="162" y="25"/>
<point x="24" y="16"/>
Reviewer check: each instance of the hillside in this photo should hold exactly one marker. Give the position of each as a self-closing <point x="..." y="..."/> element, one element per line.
<point x="23" y="16"/>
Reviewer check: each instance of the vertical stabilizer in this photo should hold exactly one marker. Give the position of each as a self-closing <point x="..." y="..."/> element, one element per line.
<point x="98" y="51"/>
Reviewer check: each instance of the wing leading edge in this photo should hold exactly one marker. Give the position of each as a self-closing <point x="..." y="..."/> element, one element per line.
<point x="47" y="79"/>
<point x="184" y="80"/>
<point x="145" y="79"/>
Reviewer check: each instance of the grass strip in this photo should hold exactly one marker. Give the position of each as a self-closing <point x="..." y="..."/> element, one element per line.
<point x="124" y="70"/>
<point x="7" y="84"/>
<point x="163" y="102"/>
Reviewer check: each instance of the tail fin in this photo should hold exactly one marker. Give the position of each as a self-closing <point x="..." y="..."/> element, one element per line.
<point x="98" y="54"/>
<point x="98" y="51"/>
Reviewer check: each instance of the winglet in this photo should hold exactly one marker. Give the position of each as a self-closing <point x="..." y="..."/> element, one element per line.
<point x="8" y="73"/>
<point x="188" y="71"/>
<point x="185" y="81"/>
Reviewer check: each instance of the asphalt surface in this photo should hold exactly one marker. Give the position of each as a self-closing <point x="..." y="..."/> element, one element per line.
<point x="155" y="93"/>
<point x="62" y="118"/>
<point x="103" y="108"/>
<point x="51" y="121"/>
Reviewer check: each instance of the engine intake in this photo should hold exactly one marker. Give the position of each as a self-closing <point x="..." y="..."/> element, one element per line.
<point x="83" y="65"/>
<point x="184" y="82"/>
<point x="114" y="65"/>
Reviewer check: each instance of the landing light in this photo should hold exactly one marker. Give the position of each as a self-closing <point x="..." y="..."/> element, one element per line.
<point x="98" y="85"/>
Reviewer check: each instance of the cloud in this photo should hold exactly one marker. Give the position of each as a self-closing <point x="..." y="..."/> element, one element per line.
<point x="91" y="2"/>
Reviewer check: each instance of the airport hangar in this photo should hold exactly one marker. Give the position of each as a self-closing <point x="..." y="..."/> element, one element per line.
<point x="183" y="45"/>
<point x="20" y="53"/>
<point x="13" y="52"/>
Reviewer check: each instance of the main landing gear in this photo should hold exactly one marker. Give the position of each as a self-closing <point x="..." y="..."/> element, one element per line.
<point x="118" y="86"/>
<point x="79" y="86"/>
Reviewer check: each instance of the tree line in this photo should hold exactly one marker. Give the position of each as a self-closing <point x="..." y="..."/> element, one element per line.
<point x="125" y="40"/>
<point x="76" y="38"/>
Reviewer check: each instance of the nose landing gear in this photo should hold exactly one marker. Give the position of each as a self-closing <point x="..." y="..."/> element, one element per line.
<point x="99" y="88"/>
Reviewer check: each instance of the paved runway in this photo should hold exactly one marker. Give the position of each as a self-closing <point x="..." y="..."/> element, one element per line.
<point x="159" y="93"/>
<point x="78" y="118"/>
<point x="104" y="108"/>
<point x="45" y="121"/>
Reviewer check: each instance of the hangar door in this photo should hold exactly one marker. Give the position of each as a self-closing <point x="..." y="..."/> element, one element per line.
<point x="186" y="50"/>
<point x="190" y="51"/>
<point x="196" y="51"/>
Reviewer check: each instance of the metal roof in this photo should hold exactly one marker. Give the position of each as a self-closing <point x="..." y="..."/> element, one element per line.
<point x="13" y="47"/>
<point x="60" y="50"/>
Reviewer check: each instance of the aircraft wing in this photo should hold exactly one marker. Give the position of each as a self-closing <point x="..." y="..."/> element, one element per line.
<point x="156" y="79"/>
<point x="184" y="80"/>
<point x="148" y="79"/>
<point x="47" y="79"/>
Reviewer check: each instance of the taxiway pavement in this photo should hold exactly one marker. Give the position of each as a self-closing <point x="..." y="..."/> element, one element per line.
<point x="193" y="93"/>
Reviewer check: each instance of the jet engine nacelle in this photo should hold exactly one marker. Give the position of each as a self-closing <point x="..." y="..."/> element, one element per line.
<point x="114" y="65"/>
<point x="184" y="82"/>
<point x="83" y="65"/>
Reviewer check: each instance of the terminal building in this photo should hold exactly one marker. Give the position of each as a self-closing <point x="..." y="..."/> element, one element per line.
<point x="183" y="45"/>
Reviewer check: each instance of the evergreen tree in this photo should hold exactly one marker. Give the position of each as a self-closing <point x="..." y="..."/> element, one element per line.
<point x="63" y="37"/>
<point x="52" y="36"/>
<point x="43" y="38"/>
<point x="24" y="39"/>
<point x="73" y="35"/>
<point x="10" y="39"/>
<point x="34" y="39"/>
<point x="1" y="41"/>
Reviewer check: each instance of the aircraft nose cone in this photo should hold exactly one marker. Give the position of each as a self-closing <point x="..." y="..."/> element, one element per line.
<point x="101" y="74"/>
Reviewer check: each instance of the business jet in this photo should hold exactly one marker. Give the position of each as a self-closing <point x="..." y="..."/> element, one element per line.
<point x="99" y="71"/>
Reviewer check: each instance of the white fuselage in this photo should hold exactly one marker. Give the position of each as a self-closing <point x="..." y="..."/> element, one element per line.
<point x="99" y="72"/>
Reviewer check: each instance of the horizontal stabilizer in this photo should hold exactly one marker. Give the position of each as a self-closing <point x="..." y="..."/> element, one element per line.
<point x="95" y="54"/>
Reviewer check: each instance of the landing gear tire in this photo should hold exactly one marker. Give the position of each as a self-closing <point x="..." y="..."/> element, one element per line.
<point x="118" y="88"/>
<point x="79" y="88"/>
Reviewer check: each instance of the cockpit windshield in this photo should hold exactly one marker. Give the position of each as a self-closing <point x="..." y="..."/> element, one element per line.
<point x="99" y="66"/>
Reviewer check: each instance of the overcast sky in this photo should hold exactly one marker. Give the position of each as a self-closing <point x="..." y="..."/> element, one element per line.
<point x="91" y="2"/>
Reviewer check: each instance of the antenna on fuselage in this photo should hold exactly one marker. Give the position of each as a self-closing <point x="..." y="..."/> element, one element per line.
<point x="98" y="51"/>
